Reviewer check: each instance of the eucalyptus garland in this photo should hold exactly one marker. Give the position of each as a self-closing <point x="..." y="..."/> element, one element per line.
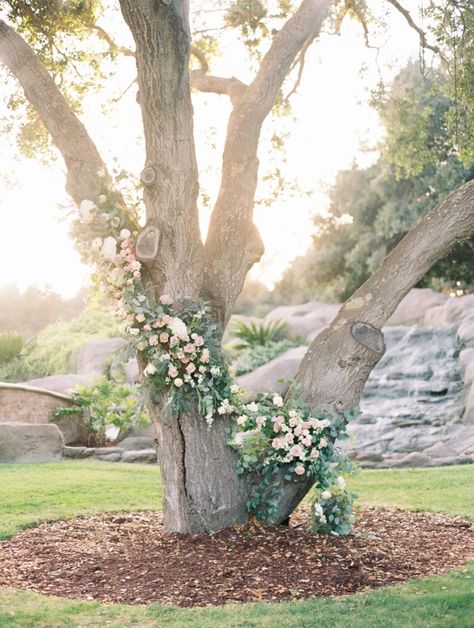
<point x="183" y="366"/>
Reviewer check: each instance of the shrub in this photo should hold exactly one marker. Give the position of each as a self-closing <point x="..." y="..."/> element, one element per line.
<point x="258" y="334"/>
<point x="11" y="344"/>
<point x="54" y="345"/>
<point x="105" y="404"/>
<point x="251" y="358"/>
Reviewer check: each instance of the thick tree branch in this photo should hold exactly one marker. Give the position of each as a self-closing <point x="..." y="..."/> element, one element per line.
<point x="82" y="159"/>
<point x="162" y="39"/>
<point x="421" y="34"/>
<point x="233" y="244"/>
<point x="203" y="82"/>
<point x="340" y="359"/>
<point x="375" y="301"/>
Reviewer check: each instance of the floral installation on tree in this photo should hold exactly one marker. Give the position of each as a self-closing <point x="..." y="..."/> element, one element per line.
<point x="179" y="350"/>
<point x="182" y="363"/>
<point x="277" y="439"/>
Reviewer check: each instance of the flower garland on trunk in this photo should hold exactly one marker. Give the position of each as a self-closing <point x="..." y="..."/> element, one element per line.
<point x="183" y="364"/>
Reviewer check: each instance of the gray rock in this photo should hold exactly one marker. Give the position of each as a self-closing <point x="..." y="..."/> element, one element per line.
<point x="439" y="450"/>
<point x="130" y="370"/>
<point x="63" y="384"/>
<point x="411" y="310"/>
<point x="468" y="416"/>
<point x="414" y="459"/>
<point x="469" y="375"/>
<point x="25" y="442"/>
<point x="111" y="458"/>
<point x="266" y="376"/>
<point x="94" y="355"/>
<point x="453" y="310"/>
<point x="142" y="455"/>
<point x="307" y="319"/>
<point x="466" y="332"/>
<point x="99" y="452"/>
<point x="466" y="357"/>
<point x="134" y="443"/>
<point x="368" y="456"/>
<point x="73" y="452"/>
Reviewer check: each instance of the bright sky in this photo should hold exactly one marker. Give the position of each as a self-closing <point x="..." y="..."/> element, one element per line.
<point x="332" y="122"/>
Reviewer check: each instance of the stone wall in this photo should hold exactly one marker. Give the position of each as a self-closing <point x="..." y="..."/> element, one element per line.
<point x="22" y="404"/>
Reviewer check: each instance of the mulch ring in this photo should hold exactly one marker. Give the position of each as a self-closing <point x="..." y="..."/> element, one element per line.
<point x="126" y="558"/>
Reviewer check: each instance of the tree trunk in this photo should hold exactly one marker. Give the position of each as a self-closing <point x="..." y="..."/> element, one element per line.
<point x="201" y="490"/>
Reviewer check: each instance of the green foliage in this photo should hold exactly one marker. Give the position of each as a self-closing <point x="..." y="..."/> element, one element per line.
<point x="11" y="344"/>
<point x="105" y="404"/>
<point x="53" y="349"/>
<point x="371" y="209"/>
<point x="333" y="513"/>
<point x="452" y="25"/>
<point x="251" y="358"/>
<point x="14" y="371"/>
<point x="255" y="334"/>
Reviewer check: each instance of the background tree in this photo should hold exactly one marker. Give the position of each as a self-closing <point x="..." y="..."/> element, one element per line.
<point x="371" y="209"/>
<point x="201" y="489"/>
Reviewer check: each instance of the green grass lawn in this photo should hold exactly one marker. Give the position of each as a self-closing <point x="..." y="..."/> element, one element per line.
<point x="30" y="494"/>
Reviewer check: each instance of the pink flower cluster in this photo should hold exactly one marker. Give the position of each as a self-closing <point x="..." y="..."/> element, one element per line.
<point x="125" y="269"/>
<point x="168" y="341"/>
<point x="293" y="438"/>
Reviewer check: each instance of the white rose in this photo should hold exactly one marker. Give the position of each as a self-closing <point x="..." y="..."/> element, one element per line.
<point x="140" y="318"/>
<point x="277" y="401"/>
<point x="124" y="234"/>
<point x="134" y="331"/>
<point x="234" y="388"/>
<point x="86" y="210"/>
<point x="109" y="248"/>
<point x="252" y="407"/>
<point x="341" y="482"/>
<point x="150" y="369"/>
<point x="179" y="329"/>
<point x="326" y="495"/>
<point x="178" y="382"/>
<point x="96" y="244"/>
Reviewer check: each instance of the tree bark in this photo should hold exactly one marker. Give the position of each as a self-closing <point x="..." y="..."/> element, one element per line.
<point x="233" y="244"/>
<point x="81" y="157"/>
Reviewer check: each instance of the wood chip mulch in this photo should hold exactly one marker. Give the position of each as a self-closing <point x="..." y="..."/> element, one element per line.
<point x="126" y="558"/>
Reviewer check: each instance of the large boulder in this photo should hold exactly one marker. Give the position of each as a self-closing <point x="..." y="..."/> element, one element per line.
<point x="307" y="319"/>
<point x="453" y="310"/>
<point x="466" y="332"/>
<point x="468" y="416"/>
<point x="266" y="377"/>
<point x="63" y="384"/>
<point x="412" y="308"/>
<point x="24" y="442"/>
<point x="94" y="356"/>
<point x="24" y="404"/>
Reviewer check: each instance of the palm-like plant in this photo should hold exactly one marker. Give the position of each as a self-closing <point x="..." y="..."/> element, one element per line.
<point x="258" y="334"/>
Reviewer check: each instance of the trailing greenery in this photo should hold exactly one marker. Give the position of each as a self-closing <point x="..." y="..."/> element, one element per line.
<point x="105" y="404"/>
<point x="11" y="344"/>
<point x="34" y="493"/>
<point x="250" y="358"/>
